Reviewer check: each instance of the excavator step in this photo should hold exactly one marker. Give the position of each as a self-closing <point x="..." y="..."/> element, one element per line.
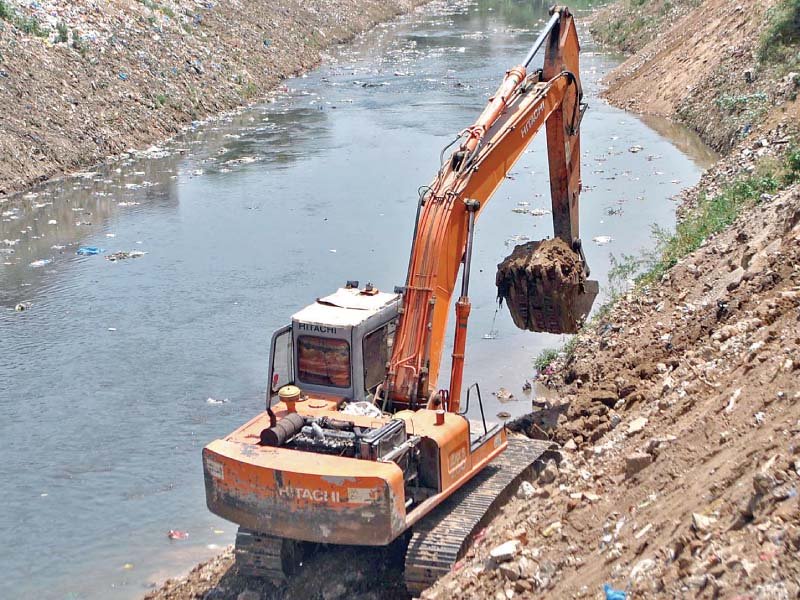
<point x="443" y="537"/>
<point x="265" y="556"/>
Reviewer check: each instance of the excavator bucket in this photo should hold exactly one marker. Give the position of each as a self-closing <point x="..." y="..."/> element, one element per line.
<point x="545" y="287"/>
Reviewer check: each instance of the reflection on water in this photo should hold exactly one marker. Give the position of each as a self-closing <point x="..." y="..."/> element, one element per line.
<point x="683" y="138"/>
<point x="117" y="374"/>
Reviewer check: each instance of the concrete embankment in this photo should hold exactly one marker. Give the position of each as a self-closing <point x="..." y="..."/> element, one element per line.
<point x="83" y="81"/>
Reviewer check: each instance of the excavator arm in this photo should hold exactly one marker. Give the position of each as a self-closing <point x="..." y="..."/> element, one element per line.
<point x="449" y="207"/>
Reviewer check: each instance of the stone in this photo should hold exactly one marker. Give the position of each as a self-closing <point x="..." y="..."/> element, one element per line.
<point x="637" y="425"/>
<point x="641" y="568"/>
<point x="637" y="461"/>
<point x="249" y="595"/>
<point x="526" y="490"/>
<point x="509" y="570"/>
<point x="549" y="473"/>
<point x="570" y="446"/>
<point x="523" y="585"/>
<point x="701" y="523"/>
<point x="506" y="551"/>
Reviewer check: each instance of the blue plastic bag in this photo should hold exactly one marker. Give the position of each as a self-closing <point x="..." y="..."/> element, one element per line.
<point x="612" y="594"/>
<point x="89" y="250"/>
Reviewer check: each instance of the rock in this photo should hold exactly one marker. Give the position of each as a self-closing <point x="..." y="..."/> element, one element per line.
<point x="701" y="523"/>
<point x="549" y="473"/>
<point x="509" y="570"/>
<point x="554" y="527"/>
<point x="636" y="425"/>
<point x="641" y="568"/>
<point x="526" y="490"/>
<point x="570" y="446"/>
<point x="636" y="462"/>
<point x="249" y="595"/>
<point x="505" y="552"/>
<point x="656" y="444"/>
<point x="522" y="586"/>
<point x="336" y="591"/>
<point x="605" y="397"/>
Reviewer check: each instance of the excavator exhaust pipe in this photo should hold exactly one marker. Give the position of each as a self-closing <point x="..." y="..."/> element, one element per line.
<point x="545" y="286"/>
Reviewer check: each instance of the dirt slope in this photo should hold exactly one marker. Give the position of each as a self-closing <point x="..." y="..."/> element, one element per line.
<point x="83" y="80"/>
<point x="681" y="430"/>
<point x="701" y="66"/>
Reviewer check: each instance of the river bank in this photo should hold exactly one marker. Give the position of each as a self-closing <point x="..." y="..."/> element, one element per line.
<point x="81" y="83"/>
<point x="679" y="403"/>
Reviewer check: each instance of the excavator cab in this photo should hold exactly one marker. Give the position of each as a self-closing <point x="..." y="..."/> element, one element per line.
<point x="337" y="346"/>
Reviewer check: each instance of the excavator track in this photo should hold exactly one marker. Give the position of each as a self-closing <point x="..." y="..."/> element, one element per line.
<point x="265" y="556"/>
<point x="442" y="538"/>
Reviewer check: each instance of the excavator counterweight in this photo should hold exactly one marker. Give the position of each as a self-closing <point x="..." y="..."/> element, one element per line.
<point x="357" y="444"/>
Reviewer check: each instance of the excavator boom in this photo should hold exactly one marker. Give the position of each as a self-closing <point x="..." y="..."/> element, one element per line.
<point x="523" y="103"/>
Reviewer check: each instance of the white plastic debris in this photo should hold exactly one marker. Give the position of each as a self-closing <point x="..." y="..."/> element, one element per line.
<point x="364" y="409"/>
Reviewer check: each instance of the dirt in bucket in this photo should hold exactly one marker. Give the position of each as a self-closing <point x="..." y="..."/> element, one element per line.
<point x="545" y="287"/>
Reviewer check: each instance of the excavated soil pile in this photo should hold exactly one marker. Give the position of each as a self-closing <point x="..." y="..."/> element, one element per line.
<point x="542" y="284"/>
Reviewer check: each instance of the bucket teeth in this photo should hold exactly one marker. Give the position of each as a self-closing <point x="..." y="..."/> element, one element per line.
<point x="545" y="287"/>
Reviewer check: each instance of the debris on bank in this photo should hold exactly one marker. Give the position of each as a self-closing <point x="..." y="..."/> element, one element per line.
<point x="680" y="431"/>
<point x="80" y="83"/>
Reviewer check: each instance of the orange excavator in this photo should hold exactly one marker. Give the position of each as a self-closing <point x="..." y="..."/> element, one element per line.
<point x="357" y="445"/>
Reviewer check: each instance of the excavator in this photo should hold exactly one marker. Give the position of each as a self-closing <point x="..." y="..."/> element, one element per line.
<point x="357" y="445"/>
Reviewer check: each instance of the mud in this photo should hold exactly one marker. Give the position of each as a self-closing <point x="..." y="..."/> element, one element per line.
<point x="543" y="283"/>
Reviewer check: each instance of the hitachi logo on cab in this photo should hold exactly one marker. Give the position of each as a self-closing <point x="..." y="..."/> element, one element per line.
<point x="293" y="493"/>
<point x="316" y="328"/>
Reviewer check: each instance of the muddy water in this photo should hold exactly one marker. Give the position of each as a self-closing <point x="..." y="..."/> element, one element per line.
<point x="117" y="373"/>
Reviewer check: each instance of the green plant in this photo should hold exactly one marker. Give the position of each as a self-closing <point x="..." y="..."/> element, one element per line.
<point x="792" y="172"/>
<point x="6" y="12"/>
<point x="25" y="24"/>
<point x="78" y="44"/>
<point x="63" y="33"/>
<point x="780" y="41"/>
<point x="545" y="359"/>
<point x="249" y="90"/>
<point x="161" y="100"/>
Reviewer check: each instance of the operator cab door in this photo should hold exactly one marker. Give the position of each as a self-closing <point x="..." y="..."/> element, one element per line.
<point x="281" y="361"/>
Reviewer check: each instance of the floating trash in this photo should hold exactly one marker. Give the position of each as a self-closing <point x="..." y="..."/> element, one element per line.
<point x="174" y="534"/>
<point x="89" y="251"/>
<point x="117" y="256"/>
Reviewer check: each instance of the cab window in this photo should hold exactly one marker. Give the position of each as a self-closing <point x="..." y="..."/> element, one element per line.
<point x="323" y="361"/>
<point x="377" y="348"/>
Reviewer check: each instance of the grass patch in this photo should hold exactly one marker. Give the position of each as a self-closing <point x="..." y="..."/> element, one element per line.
<point x="249" y="90"/>
<point x="63" y="33"/>
<point x="711" y="215"/>
<point x="545" y="359"/>
<point x="29" y="25"/>
<point x="548" y="356"/>
<point x="630" y="24"/>
<point x="780" y="41"/>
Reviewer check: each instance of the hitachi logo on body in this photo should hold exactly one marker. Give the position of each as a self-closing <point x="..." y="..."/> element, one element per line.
<point x="537" y="112"/>
<point x="306" y="494"/>
<point x="316" y="328"/>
